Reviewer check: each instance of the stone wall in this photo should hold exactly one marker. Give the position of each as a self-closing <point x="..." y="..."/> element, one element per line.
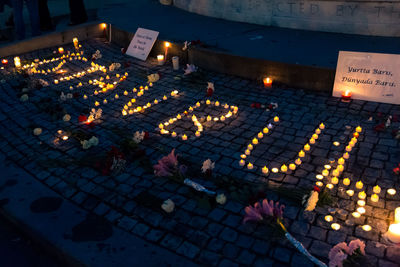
<point x="381" y="18"/>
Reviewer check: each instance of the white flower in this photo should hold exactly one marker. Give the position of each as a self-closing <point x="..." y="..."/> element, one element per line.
<point x="138" y="137"/>
<point x="152" y="78"/>
<point x="168" y="206"/>
<point x="220" y="199"/>
<point x="24" y="98"/>
<point x="190" y="68"/>
<point x="63" y="97"/>
<point x="94" y="141"/>
<point x="37" y="131"/>
<point x="312" y="201"/>
<point x="207" y="165"/>
<point x="85" y="144"/>
<point x="67" y="117"/>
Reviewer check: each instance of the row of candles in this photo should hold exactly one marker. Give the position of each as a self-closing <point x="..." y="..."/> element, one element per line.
<point x="232" y="110"/>
<point x="94" y="67"/>
<point x="283" y="168"/>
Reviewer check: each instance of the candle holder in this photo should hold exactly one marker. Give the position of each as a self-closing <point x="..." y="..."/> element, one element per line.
<point x="160" y="59"/>
<point x="267" y="82"/>
<point x="346" y="96"/>
<point x="4" y="62"/>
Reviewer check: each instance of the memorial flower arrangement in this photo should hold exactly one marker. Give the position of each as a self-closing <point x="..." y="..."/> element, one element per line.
<point x="168" y="166"/>
<point x="271" y="214"/>
<point x="207" y="167"/>
<point x="353" y="254"/>
<point x="113" y="164"/>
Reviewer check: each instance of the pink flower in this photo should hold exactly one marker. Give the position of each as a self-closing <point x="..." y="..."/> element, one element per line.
<point x="167" y="165"/>
<point x="266" y="209"/>
<point x="355" y="244"/>
<point x="252" y="213"/>
<point x="341" y="247"/>
<point x="337" y="260"/>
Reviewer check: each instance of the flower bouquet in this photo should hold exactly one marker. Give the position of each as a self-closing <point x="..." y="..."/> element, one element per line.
<point x="271" y="214"/>
<point x="352" y="255"/>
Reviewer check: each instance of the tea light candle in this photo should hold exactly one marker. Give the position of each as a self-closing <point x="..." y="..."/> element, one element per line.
<point x="374" y="198"/>
<point x="346" y="181"/>
<point x="276" y="119"/>
<point x="322" y="126"/>
<point x="250" y="166"/>
<point x="366" y="228"/>
<point x="336" y="143"/>
<point x="361" y="210"/>
<point x="340" y="168"/>
<point x="329" y="186"/>
<point x="255" y="141"/>
<point x="359" y="185"/>
<point x="358" y="129"/>
<point x="173" y="134"/>
<point x="361" y="203"/>
<point x="362" y="195"/>
<point x="160" y="59"/>
<point x="327" y="166"/>
<point x="335" y="180"/>
<point x="242" y="162"/>
<point x="356" y="214"/>
<point x="325" y="172"/>
<point x="350" y="192"/>
<point x="301" y="154"/>
<point x="4" y="62"/>
<point x="297" y="161"/>
<point x="267" y="82"/>
<point x="319" y="176"/>
<point x="318" y="131"/>
<point x="265" y="170"/>
<point x="312" y="141"/>
<point x="184" y="137"/>
<point x="307" y="147"/>
<point x="265" y="130"/>
<point x="315" y="136"/>
<point x="17" y="62"/>
<point x="55" y="81"/>
<point x="376" y="189"/>
<point x="335" y="226"/>
<point x="283" y="168"/>
<point x="391" y="191"/>
<point x="341" y="161"/>
<point x="260" y="135"/>
<point x="346" y="155"/>
<point x="348" y="148"/>
<point x="60" y="50"/>
<point x="275" y="170"/>
<point x="346" y="95"/>
<point x="247" y="152"/>
<point x="250" y="147"/>
<point x="328" y="218"/>
<point x="356" y="135"/>
<point x="319" y="184"/>
<point x="292" y="166"/>
<point x="335" y="172"/>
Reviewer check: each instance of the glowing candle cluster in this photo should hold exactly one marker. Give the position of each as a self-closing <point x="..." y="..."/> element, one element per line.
<point x="231" y="110"/>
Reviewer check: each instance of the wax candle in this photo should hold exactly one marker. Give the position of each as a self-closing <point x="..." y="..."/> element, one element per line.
<point x="348" y="148"/>
<point x="329" y="186"/>
<point x="55" y="81"/>
<point x="184" y="137"/>
<point x="173" y="134"/>
<point x="267" y="82"/>
<point x="197" y="133"/>
<point x="346" y="181"/>
<point x="250" y="166"/>
<point x="334" y="180"/>
<point x="60" y="50"/>
<point x="160" y="59"/>
<point x="325" y="172"/>
<point x="346" y="155"/>
<point x="376" y="189"/>
<point x="358" y="129"/>
<point x="356" y="135"/>
<point x="374" y="198"/>
<point x="265" y="170"/>
<point x="361" y="203"/>
<point x="393" y="233"/>
<point x="319" y="176"/>
<point x="335" y="226"/>
<point x="315" y="136"/>
<point x="76" y="44"/>
<point x="362" y="195"/>
<point x="356" y="214"/>
<point x="265" y="130"/>
<point x="247" y="152"/>
<point x="350" y="192"/>
<point x="255" y="141"/>
<point x="366" y="227"/>
<point x="4" y="62"/>
<point x="328" y="218"/>
<point x="306" y="147"/>
<point x="336" y="143"/>
<point x="318" y="131"/>
<point x="260" y="135"/>
<point x="242" y="162"/>
<point x="361" y="210"/>
<point x="276" y="119"/>
<point x="283" y="168"/>
<point x="327" y="166"/>
<point x="297" y="161"/>
<point x="312" y="141"/>
<point x="335" y="172"/>
<point x="359" y="185"/>
<point x="340" y="168"/>
<point x="301" y="154"/>
<point x="322" y="126"/>
<point x="275" y="170"/>
<point x="292" y="166"/>
<point x="391" y="191"/>
<point x="341" y="161"/>
<point x="319" y="184"/>
<point x="250" y="147"/>
<point x="346" y="95"/>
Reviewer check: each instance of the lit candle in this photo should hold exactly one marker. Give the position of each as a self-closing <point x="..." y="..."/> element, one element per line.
<point x="397" y="215"/>
<point x="315" y="136"/>
<point x="356" y="135"/>
<point x="328" y="218"/>
<point x="335" y="172"/>
<point x="318" y="131"/>
<point x="260" y="135"/>
<point x="60" y="50"/>
<point x="346" y="181"/>
<point x="350" y="192"/>
<point x="173" y="134"/>
<point x="340" y="168"/>
<point x="374" y="198"/>
<point x="391" y="191"/>
<point x="283" y="168"/>
<point x="184" y="137"/>
<point x="319" y="176"/>
<point x="242" y="162"/>
<point x="243" y="156"/>
<point x="65" y="137"/>
<point x="265" y="170"/>
<point x="160" y="59"/>
<point x="17" y="62"/>
<point x="356" y="214"/>
<point x="359" y="185"/>
<point x="312" y="141"/>
<point x="265" y="130"/>
<point x="362" y="195"/>
<point x="306" y="147"/>
<point x="297" y="161"/>
<point x="361" y="203"/>
<point x="336" y="143"/>
<point x="329" y="186"/>
<point x="301" y="154"/>
<point x="76" y="44"/>
<point x="255" y="141"/>
<point x="197" y="133"/>
<point x="325" y="172"/>
<point x="85" y="96"/>
<point x="346" y="155"/>
<point x="292" y="166"/>
<point x="319" y="184"/>
<point x="358" y="129"/>
<point x="167" y="45"/>
<point x="322" y="126"/>
<point x="327" y="166"/>
<point x="250" y="166"/>
<point x="55" y="81"/>
<point x="275" y="170"/>
<point x="335" y="180"/>
<point x="335" y="226"/>
<point x="276" y="119"/>
<point x="361" y="210"/>
<point x="366" y="228"/>
<point x="250" y="147"/>
<point x="346" y="95"/>
<point x="267" y="82"/>
<point x="4" y="61"/>
<point x="376" y="189"/>
<point x="348" y="148"/>
<point x="341" y="161"/>
<point x="393" y="233"/>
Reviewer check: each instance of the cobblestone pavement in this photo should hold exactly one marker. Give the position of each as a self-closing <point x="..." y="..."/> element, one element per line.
<point x="199" y="229"/>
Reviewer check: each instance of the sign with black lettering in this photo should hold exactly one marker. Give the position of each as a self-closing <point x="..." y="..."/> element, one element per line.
<point x="142" y="43"/>
<point x="368" y="76"/>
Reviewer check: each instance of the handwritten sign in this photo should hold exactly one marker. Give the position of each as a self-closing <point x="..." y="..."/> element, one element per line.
<point x="368" y="76"/>
<point x="142" y="43"/>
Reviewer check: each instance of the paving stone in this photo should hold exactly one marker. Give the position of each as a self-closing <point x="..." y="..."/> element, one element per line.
<point x="188" y="250"/>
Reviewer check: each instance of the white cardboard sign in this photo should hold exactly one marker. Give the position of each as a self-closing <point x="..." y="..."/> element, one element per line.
<point x="142" y="43"/>
<point x="368" y="76"/>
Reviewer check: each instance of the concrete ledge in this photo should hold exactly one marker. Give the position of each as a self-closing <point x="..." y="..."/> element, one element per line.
<point x="82" y="32"/>
<point x="283" y="74"/>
